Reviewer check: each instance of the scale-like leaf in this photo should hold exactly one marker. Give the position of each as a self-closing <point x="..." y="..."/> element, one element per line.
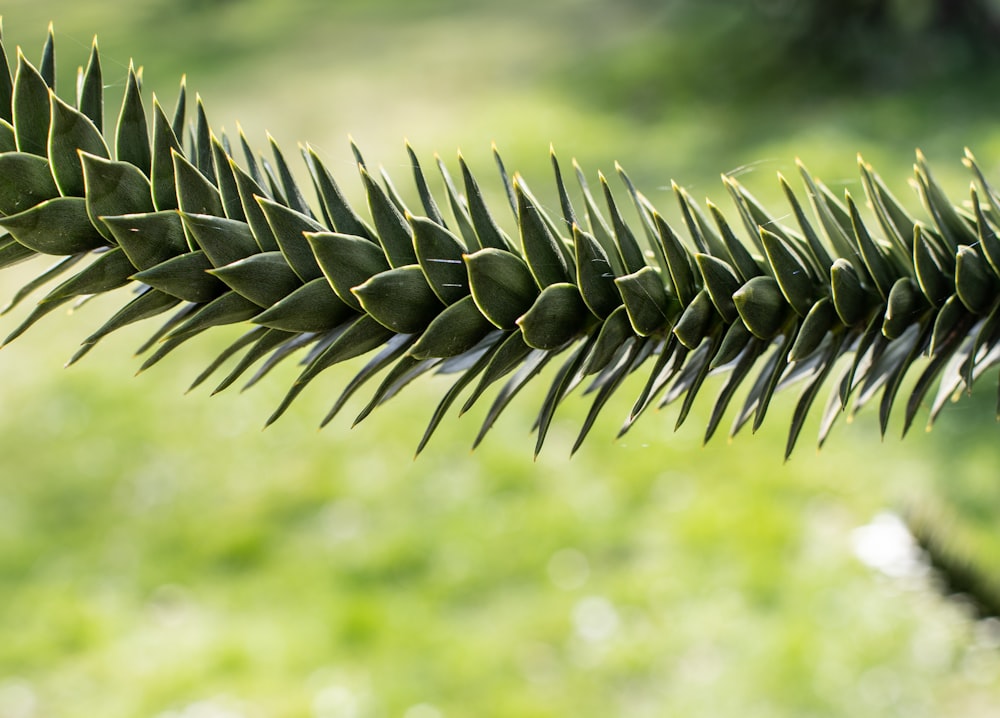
<point x="557" y="316"/>
<point x="57" y="226"/>
<point x="311" y="307"/>
<point x="347" y="262"/>
<point x="400" y="299"/>
<point x="25" y="181"/>
<point x="439" y="254"/>
<point x="71" y="131"/>
<point x="501" y="284"/>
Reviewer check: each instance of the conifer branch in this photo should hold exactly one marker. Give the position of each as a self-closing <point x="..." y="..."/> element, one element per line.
<point x="856" y="288"/>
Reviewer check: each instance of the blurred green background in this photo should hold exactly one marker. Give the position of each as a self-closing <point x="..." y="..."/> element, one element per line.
<point x="160" y="556"/>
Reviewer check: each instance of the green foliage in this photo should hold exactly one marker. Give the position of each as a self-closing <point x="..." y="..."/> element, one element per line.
<point x="218" y="244"/>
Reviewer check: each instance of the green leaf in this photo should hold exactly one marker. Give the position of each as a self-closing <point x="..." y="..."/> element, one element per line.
<point x="179" y="121"/>
<point x="988" y="241"/>
<point x="816" y="325"/>
<point x="594" y="275"/>
<point x="61" y="266"/>
<point x="439" y="253"/>
<point x="201" y="151"/>
<point x="185" y="277"/>
<point x="293" y="194"/>
<point x="615" y="332"/>
<point x="459" y="209"/>
<point x="406" y="369"/>
<point x="263" y="278"/>
<point x="598" y="226"/>
<point x="150" y="238"/>
<point x="25" y="181"/>
<point x="896" y="225"/>
<point x="679" y="262"/>
<point x="251" y="338"/>
<point x="228" y="308"/>
<point x="505" y="180"/>
<point x="312" y="307"/>
<point x="113" y="189"/>
<point x="454" y="331"/>
<point x="277" y="343"/>
<point x="147" y="304"/>
<point x="569" y="214"/>
<point x="110" y="270"/>
<point x="734" y="341"/>
<point x="953" y="227"/>
<point x="721" y="282"/>
<point x="131" y="135"/>
<point x="851" y="300"/>
<point x="539" y="246"/>
<point x="820" y="254"/>
<point x="393" y="350"/>
<point x="250" y="192"/>
<point x="510" y="352"/>
<point x="557" y="316"/>
<point x="289" y="227"/>
<point x="873" y="256"/>
<point x="650" y="308"/>
<point x="938" y="361"/>
<point x="232" y="202"/>
<point x="165" y="144"/>
<point x="399" y="299"/>
<point x="501" y="284"/>
<point x="195" y="194"/>
<point x="393" y="231"/>
<point x="742" y="261"/>
<point x="905" y="306"/>
<point x="31" y="108"/>
<point x="568" y="376"/>
<point x="840" y="234"/>
<point x="426" y="197"/>
<point x="56" y="226"/>
<point x="759" y="398"/>
<point x="705" y="238"/>
<point x="696" y="321"/>
<point x="740" y="371"/>
<point x="487" y="230"/>
<point x="975" y="284"/>
<point x="628" y="248"/>
<point x="8" y="142"/>
<point x="6" y="87"/>
<point x="224" y="241"/>
<point x="452" y="394"/>
<point x="347" y="262"/>
<point x="645" y="210"/>
<point x="337" y="210"/>
<point x="808" y="396"/>
<point x="533" y="365"/>
<point x="71" y="131"/>
<point x="91" y="89"/>
<point x="47" y="68"/>
<point x="360" y="337"/>
<point x="935" y="278"/>
<point x="762" y="307"/>
<point x="791" y="272"/>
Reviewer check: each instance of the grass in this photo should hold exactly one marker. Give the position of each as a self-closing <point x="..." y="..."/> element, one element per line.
<point x="160" y="556"/>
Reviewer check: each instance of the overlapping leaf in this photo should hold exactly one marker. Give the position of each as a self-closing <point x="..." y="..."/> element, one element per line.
<point x="165" y="207"/>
